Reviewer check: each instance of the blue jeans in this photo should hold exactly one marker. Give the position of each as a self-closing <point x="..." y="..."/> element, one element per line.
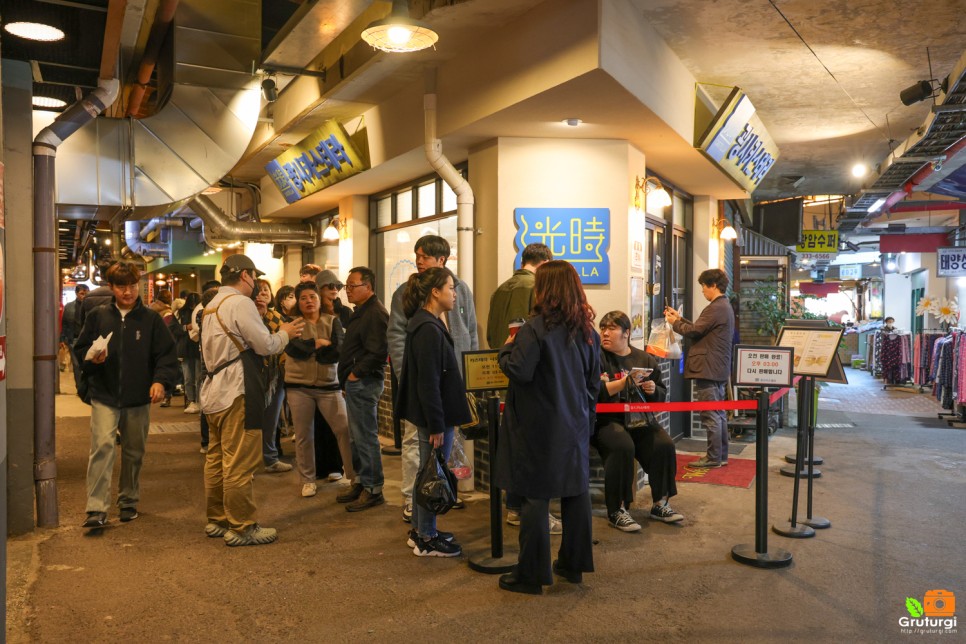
<point x="423" y="519"/>
<point x="714" y="423"/>
<point x="270" y="425"/>
<point x="190" y="369"/>
<point x="362" y="402"/>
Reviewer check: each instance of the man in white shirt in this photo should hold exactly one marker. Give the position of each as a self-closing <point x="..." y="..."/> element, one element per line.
<point x="233" y="399"/>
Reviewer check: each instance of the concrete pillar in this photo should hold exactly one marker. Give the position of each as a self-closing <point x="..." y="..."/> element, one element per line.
<point x="354" y="234"/>
<point x="706" y="247"/>
<point x="18" y="196"/>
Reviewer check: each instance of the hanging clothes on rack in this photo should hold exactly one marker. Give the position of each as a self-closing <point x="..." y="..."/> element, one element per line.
<point x="922" y="356"/>
<point x="946" y="386"/>
<point x="893" y="356"/>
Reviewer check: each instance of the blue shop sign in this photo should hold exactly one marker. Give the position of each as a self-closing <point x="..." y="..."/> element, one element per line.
<point x="325" y="157"/>
<point x="580" y="236"/>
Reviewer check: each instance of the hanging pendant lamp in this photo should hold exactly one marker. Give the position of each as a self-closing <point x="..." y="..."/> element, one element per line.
<point x="398" y="32"/>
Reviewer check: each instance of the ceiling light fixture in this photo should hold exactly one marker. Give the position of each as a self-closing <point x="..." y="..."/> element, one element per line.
<point x="859" y="170"/>
<point x="269" y="90"/>
<point x="48" y="102"/>
<point x="34" y="31"/>
<point x="572" y="122"/>
<point x="877" y="206"/>
<point x="398" y="33"/>
<point x="922" y="90"/>
<point x="331" y="233"/>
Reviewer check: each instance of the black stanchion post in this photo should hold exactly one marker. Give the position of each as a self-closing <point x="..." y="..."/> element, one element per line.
<point x="759" y="556"/>
<point x="793" y="529"/>
<point x="396" y="449"/>
<point x="495" y="561"/>
<point x="819" y="523"/>
<point x="798" y="459"/>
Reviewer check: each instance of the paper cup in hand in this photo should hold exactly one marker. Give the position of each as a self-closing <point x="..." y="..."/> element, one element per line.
<point x="515" y="325"/>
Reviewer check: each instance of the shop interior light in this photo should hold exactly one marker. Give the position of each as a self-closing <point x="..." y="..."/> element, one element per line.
<point x="107" y="242"/>
<point x="34" y="31"/>
<point x="48" y="102"/>
<point x="331" y="232"/>
<point x="403" y="237"/>
<point x="398" y="32"/>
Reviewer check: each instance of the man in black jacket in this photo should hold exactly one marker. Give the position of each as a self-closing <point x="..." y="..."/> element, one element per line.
<point x="362" y="376"/>
<point x="121" y="382"/>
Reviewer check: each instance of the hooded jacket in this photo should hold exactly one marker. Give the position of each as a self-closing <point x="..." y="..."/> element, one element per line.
<point x="140" y="353"/>
<point x="431" y="390"/>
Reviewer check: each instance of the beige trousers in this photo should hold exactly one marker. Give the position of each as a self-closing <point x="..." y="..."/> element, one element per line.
<point x="303" y="403"/>
<point x="234" y="453"/>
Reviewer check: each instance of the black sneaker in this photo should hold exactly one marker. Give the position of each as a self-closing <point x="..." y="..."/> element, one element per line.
<point x="95" y="520"/>
<point x="437" y="547"/>
<point x="352" y="494"/>
<point x="622" y="520"/>
<point x="365" y="501"/>
<point x="414" y="537"/>
<point x="666" y="514"/>
<point x="129" y="514"/>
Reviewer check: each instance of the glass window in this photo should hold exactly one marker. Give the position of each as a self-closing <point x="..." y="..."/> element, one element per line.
<point x="404" y="206"/>
<point x="449" y="198"/>
<point x="394" y="252"/>
<point x="384" y="212"/>
<point x="426" y="198"/>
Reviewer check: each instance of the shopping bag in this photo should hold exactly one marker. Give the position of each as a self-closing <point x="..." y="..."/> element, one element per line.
<point x="435" y="488"/>
<point x="635" y="395"/>
<point x="458" y="464"/>
<point x="663" y="341"/>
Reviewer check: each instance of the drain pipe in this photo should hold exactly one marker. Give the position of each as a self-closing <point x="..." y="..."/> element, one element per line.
<point x="452" y="177"/>
<point x="46" y="290"/>
<point x="219" y="226"/>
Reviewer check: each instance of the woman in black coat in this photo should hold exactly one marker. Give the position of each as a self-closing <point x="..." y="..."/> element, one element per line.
<point x="553" y="364"/>
<point x="431" y="392"/>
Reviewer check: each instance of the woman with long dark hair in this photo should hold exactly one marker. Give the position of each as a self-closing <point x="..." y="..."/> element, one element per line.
<point x="431" y="392"/>
<point x="553" y="364"/>
<point x="191" y="352"/>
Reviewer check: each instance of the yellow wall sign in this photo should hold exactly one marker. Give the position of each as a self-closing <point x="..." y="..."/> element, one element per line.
<point x="481" y="371"/>
<point x="818" y="241"/>
<point x="738" y="142"/>
<point x="325" y="157"/>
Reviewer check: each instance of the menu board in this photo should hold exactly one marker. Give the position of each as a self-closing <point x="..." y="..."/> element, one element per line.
<point x="814" y="349"/>
<point x="481" y="371"/>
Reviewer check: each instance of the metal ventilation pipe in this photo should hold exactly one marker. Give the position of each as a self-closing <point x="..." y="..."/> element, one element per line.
<point x="132" y="238"/>
<point x="452" y="177"/>
<point x="45" y="287"/>
<point x="220" y="226"/>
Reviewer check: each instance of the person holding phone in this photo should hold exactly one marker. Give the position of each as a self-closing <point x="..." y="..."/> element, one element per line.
<point x="623" y="369"/>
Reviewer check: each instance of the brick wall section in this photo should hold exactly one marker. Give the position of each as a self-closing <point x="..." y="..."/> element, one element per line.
<point x="385" y="408"/>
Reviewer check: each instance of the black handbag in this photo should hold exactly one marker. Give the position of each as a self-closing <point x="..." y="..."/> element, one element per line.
<point x="635" y="419"/>
<point x="435" y="488"/>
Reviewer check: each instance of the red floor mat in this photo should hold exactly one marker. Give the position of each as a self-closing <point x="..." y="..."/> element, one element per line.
<point x="739" y="472"/>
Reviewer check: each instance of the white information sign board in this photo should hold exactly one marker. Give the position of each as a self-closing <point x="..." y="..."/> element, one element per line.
<point x="951" y="262"/>
<point x="763" y="366"/>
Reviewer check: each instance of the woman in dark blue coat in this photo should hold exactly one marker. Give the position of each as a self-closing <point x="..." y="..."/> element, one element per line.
<point x="431" y="392"/>
<point x="553" y="364"/>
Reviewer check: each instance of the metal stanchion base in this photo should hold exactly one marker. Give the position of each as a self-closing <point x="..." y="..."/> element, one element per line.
<point x="486" y="563"/>
<point x="391" y="451"/>
<point x="746" y="554"/>
<point x="817" y="460"/>
<point x="794" y="532"/>
<point x="790" y="471"/>
<point x="819" y="523"/>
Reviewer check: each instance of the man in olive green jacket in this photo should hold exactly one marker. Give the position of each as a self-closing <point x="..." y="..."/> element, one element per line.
<point x="514" y="297"/>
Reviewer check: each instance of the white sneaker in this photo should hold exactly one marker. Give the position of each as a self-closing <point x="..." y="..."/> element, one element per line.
<point x="278" y="467"/>
<point x="192" y="408"/>
<point x="308" y="489"/>
<point x="335" y="476"/>
<point x="556" y="525"/>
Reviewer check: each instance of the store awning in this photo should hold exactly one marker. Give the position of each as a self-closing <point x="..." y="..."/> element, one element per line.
<point x="819" y="290"/>
<point x="923" y="243"/>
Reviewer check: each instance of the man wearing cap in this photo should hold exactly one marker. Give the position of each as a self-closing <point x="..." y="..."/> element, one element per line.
<point x="329" y="286"/>
<point x="233" y="397"/>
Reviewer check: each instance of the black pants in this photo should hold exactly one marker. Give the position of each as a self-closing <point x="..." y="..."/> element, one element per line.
<point x="576" y="549"/>
<point x="654" y="450"/>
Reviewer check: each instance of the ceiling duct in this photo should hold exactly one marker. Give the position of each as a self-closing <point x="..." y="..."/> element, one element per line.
<point x="219" y="227"/>
<point x="150" y="166"/>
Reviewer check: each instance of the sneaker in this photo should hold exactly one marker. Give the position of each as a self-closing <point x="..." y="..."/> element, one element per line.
<point x="204" y="449"/>
<point x="665" y="513"/>
<point x="95" y="520"/>
<point x="414" y="536"/>
<point x="215" y="531"/>
<point x="622" y="520"/>
<point x="408" y="512"/>
<point x="254" y="536"/>
<point x="512" y="517"/>
<point x="365" y="501"/>
<point x="278" y="467"/>
<point x="703" y="463"/>
<point x="166" y="402"/>
<point x="352" y="494"/>
<point x="335" y="476"/>
<point x="308" y="489"/>
<point x="436" y="547"/>
<point x="556" y="525"/>
<point x="459" y="505"/>
<point x="192" y="408"/>
<point x="129" y="514"/>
